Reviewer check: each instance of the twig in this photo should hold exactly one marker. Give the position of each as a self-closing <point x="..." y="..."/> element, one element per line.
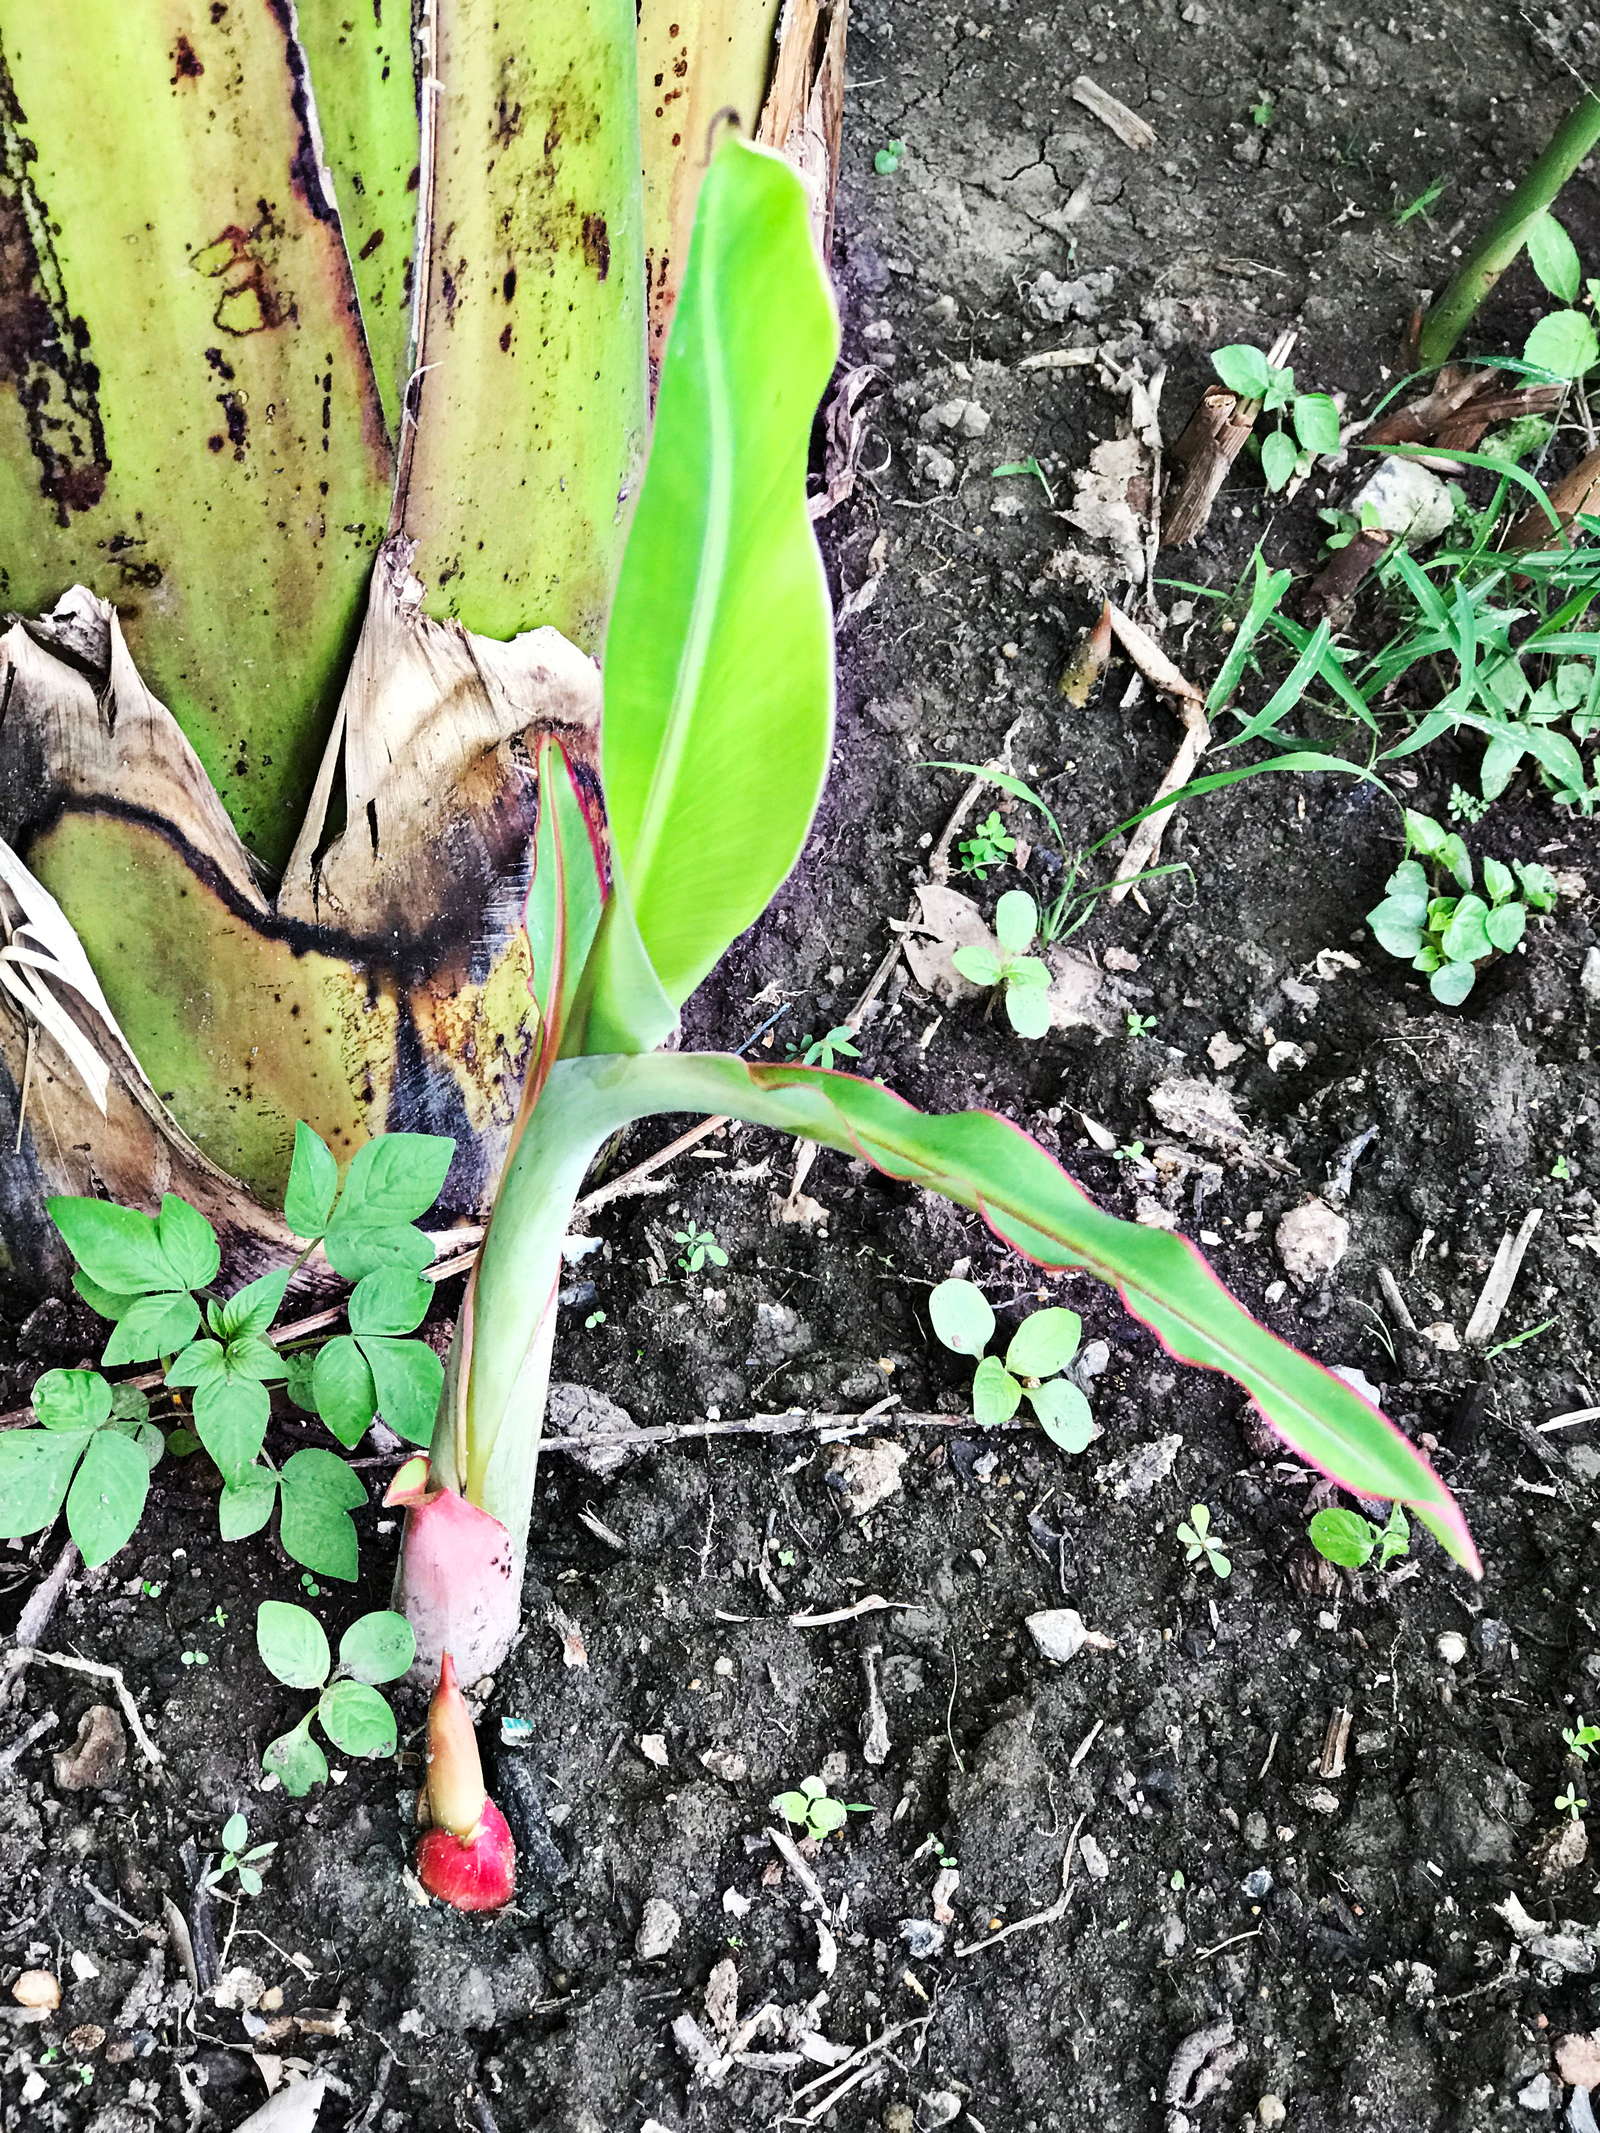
<point x="1496" y="1291"/>
<point x="36" y="1617"/>
<point x="1210" y="442"/>
<point x="1144" y="845"/>
<point x="1334" y="1743"/>
<point x="74" y="1665"/>
<point x="789" y="1852"/>
<point x="869" y="2050"/>
<point x="872" y="1604"/>
<point x="14" y="1751"/>
<point x="771" y="1426"/>
<point x="1049" y="1917"/>
<point x="1570" y="1419"/>
<point x="1129" y="128"/>
<point x="1398" y="1307"/>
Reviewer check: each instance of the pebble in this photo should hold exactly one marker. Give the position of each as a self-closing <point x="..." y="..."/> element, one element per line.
<point x="941" y="2108"/>
<point x="1536" y="2096"/>
<point x="1311" y="1241"/>
<point x="658" y="1930"/>
<point x="96" y="1757"/>
<point x="1256" y="1884"/>
<point x="37" y="1988"/>
<point x="1270" y="2111"/>
<point x="1451" y="1647"/>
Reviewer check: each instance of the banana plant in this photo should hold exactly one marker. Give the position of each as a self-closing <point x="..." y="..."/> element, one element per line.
<point x="325" y="398"/>
<point x="717" y="726"/>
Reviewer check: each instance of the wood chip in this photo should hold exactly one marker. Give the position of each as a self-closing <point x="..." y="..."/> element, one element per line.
<point x="1496" y="1291"/>
<point x="1129" y="128"/>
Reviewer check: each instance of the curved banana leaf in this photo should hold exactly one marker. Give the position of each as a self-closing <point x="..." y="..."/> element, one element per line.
<point x="719" y="659"/>
<point x="530" y="402"/>
<point x="980" y="1161"/>
<point x="188" y="418"/>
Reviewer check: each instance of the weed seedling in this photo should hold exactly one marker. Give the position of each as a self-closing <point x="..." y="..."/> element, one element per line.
<point x="195" y="1658"/>
<point x="1042" y="1345"/>
<point x="1445" y="935"/>
<point x="700" y="1248"/>
<point x="1200" y="1543"/>
<point x="1140" y="1025"/>
<point x="1030" y="465"/>
<point x="1580" y="1738"/>
<point x="1568" y="1802"/>
<point x="989" y="846"/>
<point x="1351" y="1541"/>
<point x="838" y="1043"/>
<point x="1023" y="980"/>
<point x="1313" y="418"/>
<point x="889" y="158"/>
<point x="809" y="1808"/>
<point x="1262" y="114"/>
<point x="239" y="1858"/>
<point x="293" y="1646"/>
<point x="1420" y="206"/>
<point x="1561" y="1169"/>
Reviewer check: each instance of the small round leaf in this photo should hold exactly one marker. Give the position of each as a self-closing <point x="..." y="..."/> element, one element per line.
<point x="72" y="1399"/>
<point x="357" y="1719"/>
<point x="296" y="1761"/>
<point x="1343" y="1537"/>
<point x="962" y="1317"/>
<point x="292" y="1644"/>
<point x="378" y="1647"/>
<point x="996" y="1395"/>
<point x="1044" y="1343"/>
<point x="1016" y="921"/>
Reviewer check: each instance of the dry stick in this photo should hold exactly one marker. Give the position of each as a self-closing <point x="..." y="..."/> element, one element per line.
<point x="1144" y="845"/>
<point x="796" y="1424"/>
<point x="35" y="1617"/>
<point x="14" y="1751"/>
<point x="148" y="1748"/>
<point x="1496" y="1291"/>
<point x="1212" y="439"/>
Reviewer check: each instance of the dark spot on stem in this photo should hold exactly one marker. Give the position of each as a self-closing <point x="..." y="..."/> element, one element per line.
<point x="186" y="65"/>
<point x="597" y="244"/>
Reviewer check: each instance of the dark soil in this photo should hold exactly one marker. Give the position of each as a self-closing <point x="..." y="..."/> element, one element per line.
<point x="1334" y="1932"/>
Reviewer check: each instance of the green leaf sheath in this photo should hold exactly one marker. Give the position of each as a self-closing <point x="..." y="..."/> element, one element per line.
<point x="187" y="375"/>
<point x="722" y="627"/>
<point x="364" y="79"/>
<point x="983" y="1162"/>
<point x="530" y="404"/>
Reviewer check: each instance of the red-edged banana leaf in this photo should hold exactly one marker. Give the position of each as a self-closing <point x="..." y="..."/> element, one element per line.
<point x="984" y="1162"/>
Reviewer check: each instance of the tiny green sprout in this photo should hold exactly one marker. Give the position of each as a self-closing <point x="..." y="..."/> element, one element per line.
<point x="1581" y="1738"/>
<point x="1022" y="980"/>
<point x="1128" y="1152"/>
<point x="700" y="1248"/>
<point x="809" y="1808"/>
<point x="1043" y="1345"/>
<point x="150" y="1589"/>
<point x="1177" y="1882"/>
<point x="1351" y="1541"/>
<point x="888" y="159"/>
<point x="839" y="1043"/>
<point x="595" y="1318"/>
<point x="294" y="1647"/>
<point x="1568" y="1802"/>
<point x="195" y="1658"/>
<point x="1561" y="1169"/>
<point x="1140" y="1025"/>
<point x="1030" y="465"/>
<point x="239" y="1857"/>
<point x="218" y="1617"/>
<point x="1420" y="205"/>
<point x="1262" y="114"/>
<point x="309" y="1585"/>
<point x="990" y="845"/>
<point x="1468" y="807"/>
<point x="1200" y="1544"/>
<point x="787" y="1558"/>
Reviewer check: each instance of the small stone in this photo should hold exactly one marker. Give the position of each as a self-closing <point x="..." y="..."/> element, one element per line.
<point x="37" y="1988"/>
<point x="1256" y="1884"/>
<point x="727" y="1764"/>
<point x="1095" y="1863"/>
<point x="1311" y="1241"/>
<point x="867" y="1474"/>
<point x="97" y="1755"/>
<point x="238" y="1989"/>
<point x="1578" y="2060"/>
<point x="1589" y="975"/>
<point x="1223" y="1052"/>
<point x="653" y="1747"/>
<point x="605" y="1428"/>
<point x="1536" y="2096"/>
<point x="922" y="1938"/>
<point x="1059" y="1634"/>
<point x="941" y="2108"/>
<point x="1451" y="1647"/>
<point x="1562" y="1851"/>
<point x="899" y="2118"/>
<point x="84" y="1967"/>
<point x="1270" y="2111"/>
<point x="1443" y="1336"/>
<point x="658" y="1930"/>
